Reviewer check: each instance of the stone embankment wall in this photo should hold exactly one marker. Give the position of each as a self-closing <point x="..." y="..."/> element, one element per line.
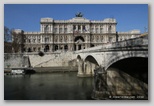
<point x="65" y="59"/>
<point x="16" y="61"/>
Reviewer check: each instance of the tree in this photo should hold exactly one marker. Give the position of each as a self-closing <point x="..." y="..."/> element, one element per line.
<point x="17" y="41"/>
<point x="6" y="34"/>
<point x="7" y="39"/>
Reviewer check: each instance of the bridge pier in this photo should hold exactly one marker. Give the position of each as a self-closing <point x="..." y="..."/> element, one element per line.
<point x="80" y="67"/>
<point x="100" y="84"/>
<point x="86" y="69"/>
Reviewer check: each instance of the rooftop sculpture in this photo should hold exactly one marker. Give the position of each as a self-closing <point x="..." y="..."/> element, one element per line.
<point x="79" y="14"/>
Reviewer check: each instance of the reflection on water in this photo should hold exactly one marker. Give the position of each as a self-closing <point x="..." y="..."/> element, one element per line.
<point x="52" y="86"/>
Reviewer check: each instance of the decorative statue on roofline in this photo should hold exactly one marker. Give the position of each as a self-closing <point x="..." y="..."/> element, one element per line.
<point x="79" y="14"/>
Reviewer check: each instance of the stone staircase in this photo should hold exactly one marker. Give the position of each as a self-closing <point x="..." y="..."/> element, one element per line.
<point x="53" y="60"/>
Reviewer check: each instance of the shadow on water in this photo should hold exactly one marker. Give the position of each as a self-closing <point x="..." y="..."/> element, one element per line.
<point x="47" y="86"/>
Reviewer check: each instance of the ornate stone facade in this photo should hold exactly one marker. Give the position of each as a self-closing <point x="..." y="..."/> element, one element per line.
<point x="74" y="34"/>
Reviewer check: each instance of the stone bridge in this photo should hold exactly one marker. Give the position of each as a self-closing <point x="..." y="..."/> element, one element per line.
<point x="120" y="69"/>
<point x="108" y="54"/>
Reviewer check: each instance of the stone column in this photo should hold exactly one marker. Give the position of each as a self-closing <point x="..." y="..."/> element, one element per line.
<point x="49" y="28"/>
<point x="87" y="27"/>
<point x="63" y="48"/>
<point x="63" y="28"/>
<point x="41" y="28"/>
<point x="58" y="29"/>
<point x="81" y="28"/>
<point x="71" y="47"/>
<point x="87" y="68"/>
<point x="80" y="68"/>
<point x="94" y="28"/>
<point x="106" y="28"/>
<point x="76" y="27"/>
<point x="51" y="48"/>
<point x="93" y="66"/>
<point x="68" y="47"/>
<point x="81" y="46"/>
<point x="41" y="39"/>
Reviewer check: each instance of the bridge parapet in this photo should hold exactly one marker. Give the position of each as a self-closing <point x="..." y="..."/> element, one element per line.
<point x="140" y="41"/>
<point x="135" y="42"/>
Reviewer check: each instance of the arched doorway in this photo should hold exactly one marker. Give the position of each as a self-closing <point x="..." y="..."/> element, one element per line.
<point x="78" y="43"/>
<point x="46" y="49"/>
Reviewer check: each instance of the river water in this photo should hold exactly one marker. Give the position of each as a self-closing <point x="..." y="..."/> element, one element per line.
<point x="47" y="86"/>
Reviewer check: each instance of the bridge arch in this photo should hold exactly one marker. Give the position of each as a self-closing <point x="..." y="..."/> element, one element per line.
<point x="136" y="67"/>
<point x="78" y="57"/>
<point x="115" y="59"/>
<point x="91" y="59"/>
<point x="90" y="63"/>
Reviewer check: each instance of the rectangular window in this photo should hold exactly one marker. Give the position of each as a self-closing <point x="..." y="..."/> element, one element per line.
<point x="92" y="30"/>
<point x="110" y="39"/>
<point x="84" y="29"/>
<point x="28" y="40"/>
<point x="60" y="30"/>
<point x="101" y="30"/>
<point x="109" y="29"/>
<point x="46" y="40"/>
<point x="74" y="27"/>
<point x="65" y="30"/>
<point x="55" y="30"/>
<point x="39" y="40"/>
<point x="34" y="40"/>
<point x="46" y="29"/>
<point x="79" y="27"/>
<point x="96" y="30"/>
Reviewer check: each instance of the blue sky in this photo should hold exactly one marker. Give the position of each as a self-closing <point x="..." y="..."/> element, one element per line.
<point x="27" y="16"/>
